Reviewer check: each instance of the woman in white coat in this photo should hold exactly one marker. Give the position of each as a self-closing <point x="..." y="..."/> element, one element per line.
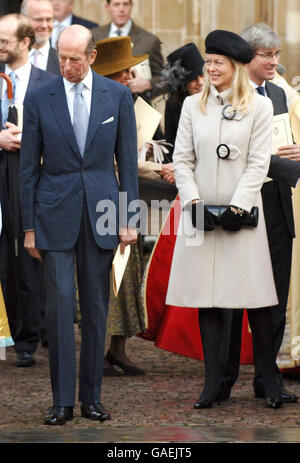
<point x="221" y="156"/>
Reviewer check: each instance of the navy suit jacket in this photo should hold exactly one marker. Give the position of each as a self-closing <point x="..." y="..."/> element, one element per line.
<point x="53" y="62"/>
<point x="83" y="22"/>
<point x="53" y="196"/>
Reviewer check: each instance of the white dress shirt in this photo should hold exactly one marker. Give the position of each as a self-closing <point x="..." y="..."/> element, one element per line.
<point x="125" y="29"/>
<point x="22" y="79"/>
<point x="87" y="92"/>
<point x="42" y="58"/>
<point x="58" y="27"/>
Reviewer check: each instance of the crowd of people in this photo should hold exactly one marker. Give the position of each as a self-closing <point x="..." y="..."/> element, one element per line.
<point x="69" y="147"/>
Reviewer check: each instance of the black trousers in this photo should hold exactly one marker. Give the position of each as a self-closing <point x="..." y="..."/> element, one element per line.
<point x="280" y="244"/>
<point x="212" y="324"/>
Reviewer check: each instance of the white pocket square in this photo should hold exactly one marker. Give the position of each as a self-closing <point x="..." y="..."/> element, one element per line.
<point x="110" y="119"/>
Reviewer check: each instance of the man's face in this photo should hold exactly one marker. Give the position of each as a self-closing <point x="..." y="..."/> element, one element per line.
<point x="263" y="65"/>
<point x="41" y="19"/>
<point x="74" y="63"/>
<point x="120" y="11"/>
<point x="62" y="8"/>
<point x="10" y="50"/>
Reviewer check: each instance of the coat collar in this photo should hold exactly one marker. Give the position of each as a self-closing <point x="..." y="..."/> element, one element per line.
<point x="221" y="97"/>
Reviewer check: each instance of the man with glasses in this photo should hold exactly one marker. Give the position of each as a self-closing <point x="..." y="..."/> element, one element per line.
<point x="64" y="17"/>
<point x="40" y="15"/>
<point x="20" y="273"/>
<point x="278" y="209"/>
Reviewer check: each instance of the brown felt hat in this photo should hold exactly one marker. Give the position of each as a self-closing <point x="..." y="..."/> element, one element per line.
<point x="114" y="54"/>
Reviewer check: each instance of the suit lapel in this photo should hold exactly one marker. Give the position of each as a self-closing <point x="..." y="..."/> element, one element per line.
<point x="60" y="109"/>
<point x="97" y="109"/>
<point x="2" y="68"/>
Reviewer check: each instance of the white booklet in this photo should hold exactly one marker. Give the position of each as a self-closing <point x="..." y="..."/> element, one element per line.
<point x="282" y="132"/>
<point x="118" y="267"/>
<point x="147" y="121"/>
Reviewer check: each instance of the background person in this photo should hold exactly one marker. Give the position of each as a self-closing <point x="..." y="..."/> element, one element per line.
<point x="143" y="42"/>
<point x="182" y="76"/>
<point x="64" y="17"/>
<point x="126" y="311"/>
<point x="22" y="275"/>
<point x="40" y="15"/>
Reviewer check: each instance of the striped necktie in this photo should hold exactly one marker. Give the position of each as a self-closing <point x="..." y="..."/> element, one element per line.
<point x="80" y="117"/>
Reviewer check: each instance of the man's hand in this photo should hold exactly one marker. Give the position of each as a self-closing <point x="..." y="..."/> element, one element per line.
<point x="139" y="84"/>
<point x="8" y="137"/>
<point x="29" y="245"/>
<point x="127" y="236"/>
<point x="289" y="152"/>
<point x="167" y="172"/>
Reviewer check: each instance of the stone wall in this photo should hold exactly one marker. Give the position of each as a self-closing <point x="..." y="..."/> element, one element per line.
<point x="180" y="21"/>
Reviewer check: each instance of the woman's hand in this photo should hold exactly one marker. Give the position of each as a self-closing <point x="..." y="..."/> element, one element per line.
<point x="232" y="219"/>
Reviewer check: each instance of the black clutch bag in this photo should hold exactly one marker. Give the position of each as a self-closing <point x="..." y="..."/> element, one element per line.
<point x="251" y="218"/>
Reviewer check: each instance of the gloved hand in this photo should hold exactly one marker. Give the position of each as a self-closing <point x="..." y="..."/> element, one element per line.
<point x="232" y="221"/>
<point x="208" y="220"/>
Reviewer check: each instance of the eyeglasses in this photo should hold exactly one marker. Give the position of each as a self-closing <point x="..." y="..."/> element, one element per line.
<point x="41" y="20"/>
<point x="4" y="43"/>
<point x="270" y="55"/>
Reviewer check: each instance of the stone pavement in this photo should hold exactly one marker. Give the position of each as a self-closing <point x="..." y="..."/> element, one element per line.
<point x="155" y="408"/>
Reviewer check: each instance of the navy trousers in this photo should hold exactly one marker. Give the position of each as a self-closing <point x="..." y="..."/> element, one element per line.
<point x="93" y="266"/>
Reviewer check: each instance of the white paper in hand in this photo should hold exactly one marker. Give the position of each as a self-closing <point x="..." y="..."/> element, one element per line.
<point x="118" y="267"/>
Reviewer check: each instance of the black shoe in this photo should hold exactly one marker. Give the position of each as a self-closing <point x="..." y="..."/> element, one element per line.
<point x="130" y="370"/>
<point x="274" y="402"/>
<point x="203" y="404"/>
<point x="94" y="411"/>
<point x="111" y="371"/>
<point x="25" y="359"/>
<point x="286" y="396"/>
<point x="59" y="415"/>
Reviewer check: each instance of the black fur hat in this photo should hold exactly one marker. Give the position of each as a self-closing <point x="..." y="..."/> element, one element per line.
<point x="229" y="44"/>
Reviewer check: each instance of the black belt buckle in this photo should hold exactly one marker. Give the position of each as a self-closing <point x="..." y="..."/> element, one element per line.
<point x="219" y="148"/>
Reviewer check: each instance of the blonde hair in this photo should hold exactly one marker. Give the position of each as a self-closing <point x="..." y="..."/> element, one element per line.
<point x="242" y="92"/>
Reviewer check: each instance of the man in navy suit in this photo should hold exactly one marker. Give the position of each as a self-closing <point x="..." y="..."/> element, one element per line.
<point x="67" y="201"/>
<point x="64" y="17"/>
<point x="21" y="273"/>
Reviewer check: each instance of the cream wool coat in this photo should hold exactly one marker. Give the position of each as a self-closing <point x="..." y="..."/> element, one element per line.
<point x="229" y="269"/>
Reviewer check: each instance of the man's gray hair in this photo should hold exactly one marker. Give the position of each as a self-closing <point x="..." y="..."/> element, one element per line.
<point x="261" y="35"/>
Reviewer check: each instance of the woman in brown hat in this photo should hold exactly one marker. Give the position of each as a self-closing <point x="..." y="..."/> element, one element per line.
<point x="126" y="312"/>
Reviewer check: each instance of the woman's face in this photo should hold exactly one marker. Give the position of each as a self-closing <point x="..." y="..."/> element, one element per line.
<point x="195" y="85"/>
<point x="122" y="76"/>
<point x="220" y="71"/>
